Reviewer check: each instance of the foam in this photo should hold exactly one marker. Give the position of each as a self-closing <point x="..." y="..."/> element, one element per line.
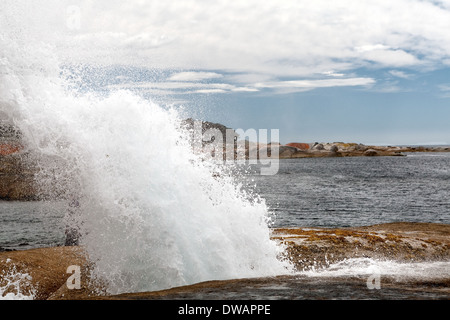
<point x="16" y="285"/>
<point x="427" y="270"/>
<point x="151" y="214"/>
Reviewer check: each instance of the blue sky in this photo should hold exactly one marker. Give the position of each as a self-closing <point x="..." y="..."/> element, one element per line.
<point x="394" y="111"/>
<point x="373" y="72"/>
<point x="401" y="106"/>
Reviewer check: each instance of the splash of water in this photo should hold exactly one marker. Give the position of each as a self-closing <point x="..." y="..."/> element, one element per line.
<point x="15" y="285"/>
<point x="150" y="214"/>
<point x="427" y="270"/>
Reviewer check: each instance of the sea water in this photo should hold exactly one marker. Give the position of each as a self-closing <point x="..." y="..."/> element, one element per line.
<point x="416" y="186"/>
<point x="360" y="191"/>
<point x="151" y="214"/>
<point x="323" y="192"/>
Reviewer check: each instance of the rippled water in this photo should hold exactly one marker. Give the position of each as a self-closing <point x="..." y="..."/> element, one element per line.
<point x="361" y="191"/>
<point x="28" y="225"/>
<point x="324" y="192"/>
<point x="328" y="192"/>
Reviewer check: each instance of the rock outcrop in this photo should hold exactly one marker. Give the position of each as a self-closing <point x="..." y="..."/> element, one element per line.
<point x="340" y="149"/>
<point x="370" y="153"/>
<point x="401" y="241"/>
<point x="190" y="124"/>
<point x="17" y="178"/>
<point x="19" y="169"/>
<point x="16" y="171"/>
<point x="307" y="248"/>
<point x="300" y="146"/>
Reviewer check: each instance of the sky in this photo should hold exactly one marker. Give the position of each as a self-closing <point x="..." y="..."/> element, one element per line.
<point x="372" y="72"/>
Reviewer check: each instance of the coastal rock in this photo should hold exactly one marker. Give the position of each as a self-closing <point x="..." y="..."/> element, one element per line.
<point x="189" y="125"/>
<point x="286" y="151"/>
<point x="307" y="248"/>
<point x="23" y="179"/>
<point x="46" y="270"/>
<point x="275" y="150"/>
<point x="402" y="241"/>
<point x="359" y="147"/>
<point x="299" y="146"/>
<point x="16" y="178"/>
<point x="319" y="146"/>
<point x="7" y="149"/>
<point x="334" y="149"/>
<point x="370" y="153"/>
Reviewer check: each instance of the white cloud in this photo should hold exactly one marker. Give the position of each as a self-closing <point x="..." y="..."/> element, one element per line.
<point x="244" y="78"/>
<point x="268" y="39"/>
<point x="183" y="87"/>
<point x="445" y="87"/>
<point x="400" y="74"/>
<point x="389" y="88"/>
<point x="194" y="76"/>
<point x="173" y="87"/>
<point x="333" y="74"/>
<point x="245" y="89"/>
<point x="144" y="41"/>
<point x="210" y="91"/>
<point x="305" y="85"/>
<point x="393" y="58"/>
<point x="371" y="47"/>
<point x="445" y="90"/>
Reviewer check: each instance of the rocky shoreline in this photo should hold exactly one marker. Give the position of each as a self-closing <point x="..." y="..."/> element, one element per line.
<point x="307" y="248"/>
<point x="340" y="149"/>
<point x="21" y="177"/>
<point x="20" y="172"/>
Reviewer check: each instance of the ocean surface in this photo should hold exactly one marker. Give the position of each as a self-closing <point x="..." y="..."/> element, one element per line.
<point x="29" y="225"/>
<point x="321" y="192"/>
<point x="359" y="191"/>
<point x="150" y="219"/>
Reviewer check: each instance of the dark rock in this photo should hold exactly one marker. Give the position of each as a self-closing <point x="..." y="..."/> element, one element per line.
<point x="300" y="146"/>
<point x="16" y="178"/>
<point x="277" y="151"/>
<point x="370" y="153"/>
<point x="319" y="147"/>
<point x="360" y="147"/>
<point x="286" y="151"/>
<point x="189" y="125"/>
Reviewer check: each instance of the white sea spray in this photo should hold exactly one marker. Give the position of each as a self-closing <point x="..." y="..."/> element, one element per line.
<point x="151" y="214"/>
<point x="14" y="284"/>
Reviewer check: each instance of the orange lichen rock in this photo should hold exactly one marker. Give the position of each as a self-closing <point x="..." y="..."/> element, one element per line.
<point x="7" y="149"/>
<point x="301" y="146"/>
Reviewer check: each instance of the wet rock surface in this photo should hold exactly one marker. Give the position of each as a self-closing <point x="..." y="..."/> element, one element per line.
<point x="17" y="178"/>
<point x="405" y="242"/>
<point x="38" y="272"/>
<point x="340" y="149"/>
<point x="307" y="248"/>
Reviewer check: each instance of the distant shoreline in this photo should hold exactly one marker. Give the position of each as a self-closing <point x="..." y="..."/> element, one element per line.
<point x="341" y="149"/>
<point x="18" y="169"/>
